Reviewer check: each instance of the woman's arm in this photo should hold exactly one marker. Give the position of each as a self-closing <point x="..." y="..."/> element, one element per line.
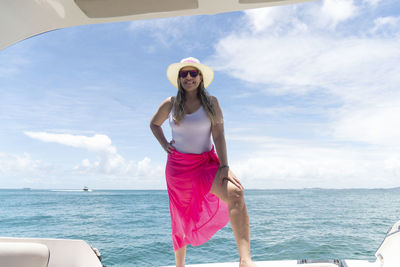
<point x="217" y="130"/>
<point x="158" y="119"/>
<point x="218" y="134"/>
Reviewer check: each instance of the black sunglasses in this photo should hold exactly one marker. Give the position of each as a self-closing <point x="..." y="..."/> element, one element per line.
<point x="184" y="73"/>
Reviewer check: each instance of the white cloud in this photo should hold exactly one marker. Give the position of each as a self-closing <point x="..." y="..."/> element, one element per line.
<point x="386" y="26"/>
<point x="263" y="18"/>
<point x="335" y="11"/>
<point x="370" y="124"/>
<point x="373" y="3"/>
<point x="300" y="19"/>
<point x="296" y="62"/>
<point x="108" y="161"/>
<point x="96" y="143"/>
<point x="12" y="165"/>
<point x="275" y="111"/>
<point x="359" y="71"/>
<point x="275" y="20"/>
<point x="393" y="164"/>
<point x="164" y="30"/>
<point x="291" y="51"/>
<point x="283" y="163"/>
<point x="304" y="63"/>
<point x="382" y="21"/>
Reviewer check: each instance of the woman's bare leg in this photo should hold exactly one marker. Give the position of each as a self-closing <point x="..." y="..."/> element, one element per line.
<point x="180" y="255"/>
<point x="238" y="216"/>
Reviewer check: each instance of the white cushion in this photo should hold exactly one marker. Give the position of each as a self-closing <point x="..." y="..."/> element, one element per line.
<point x="23" y="254"/>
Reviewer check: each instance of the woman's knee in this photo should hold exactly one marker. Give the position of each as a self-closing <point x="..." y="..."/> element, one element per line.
<point x="235" y="196"/>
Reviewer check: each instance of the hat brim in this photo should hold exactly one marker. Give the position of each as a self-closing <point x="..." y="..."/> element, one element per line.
<point x="206" y="72"/>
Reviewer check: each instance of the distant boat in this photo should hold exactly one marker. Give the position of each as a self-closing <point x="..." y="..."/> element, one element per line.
<point x="86" y="189"/>
<point x="26" y="188"/>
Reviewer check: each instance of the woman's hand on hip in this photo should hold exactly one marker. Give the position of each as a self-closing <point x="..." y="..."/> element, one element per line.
<point x="168" y="147"/>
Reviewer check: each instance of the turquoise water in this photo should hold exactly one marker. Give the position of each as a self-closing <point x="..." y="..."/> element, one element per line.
<point x="132" y="228"/>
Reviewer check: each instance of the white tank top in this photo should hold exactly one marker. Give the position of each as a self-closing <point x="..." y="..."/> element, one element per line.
<point x="193" y="134"/>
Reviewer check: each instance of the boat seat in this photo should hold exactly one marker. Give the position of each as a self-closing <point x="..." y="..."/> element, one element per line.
<point x="388" y="253"/>
<point x="63" y="252"/>
<point x="24" y="254"/>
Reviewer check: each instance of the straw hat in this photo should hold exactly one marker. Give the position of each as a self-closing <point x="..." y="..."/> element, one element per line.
<point x="206" y="71"/>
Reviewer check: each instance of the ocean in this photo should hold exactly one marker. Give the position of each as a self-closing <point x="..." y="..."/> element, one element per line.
<point x="132" y="227"/>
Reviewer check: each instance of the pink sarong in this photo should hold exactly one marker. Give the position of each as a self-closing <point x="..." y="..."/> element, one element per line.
<point x="196" y="214"/>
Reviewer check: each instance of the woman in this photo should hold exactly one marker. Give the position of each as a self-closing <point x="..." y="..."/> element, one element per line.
<point x="203" y="193"/>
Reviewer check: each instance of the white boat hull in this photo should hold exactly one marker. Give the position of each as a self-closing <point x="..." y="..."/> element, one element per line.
<point x="18" y="252"/>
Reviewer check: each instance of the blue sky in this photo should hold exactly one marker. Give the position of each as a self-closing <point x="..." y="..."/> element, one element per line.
<point x="310" y="94"/>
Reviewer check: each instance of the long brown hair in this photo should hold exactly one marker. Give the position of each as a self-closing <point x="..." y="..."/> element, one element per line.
<point x="205" y="101"/>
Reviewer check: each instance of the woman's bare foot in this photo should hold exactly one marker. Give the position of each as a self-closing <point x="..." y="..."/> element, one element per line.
<point x="247" y="263"/>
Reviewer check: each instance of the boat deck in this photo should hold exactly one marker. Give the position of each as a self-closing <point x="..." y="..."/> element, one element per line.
<point x="293" y="263"/>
